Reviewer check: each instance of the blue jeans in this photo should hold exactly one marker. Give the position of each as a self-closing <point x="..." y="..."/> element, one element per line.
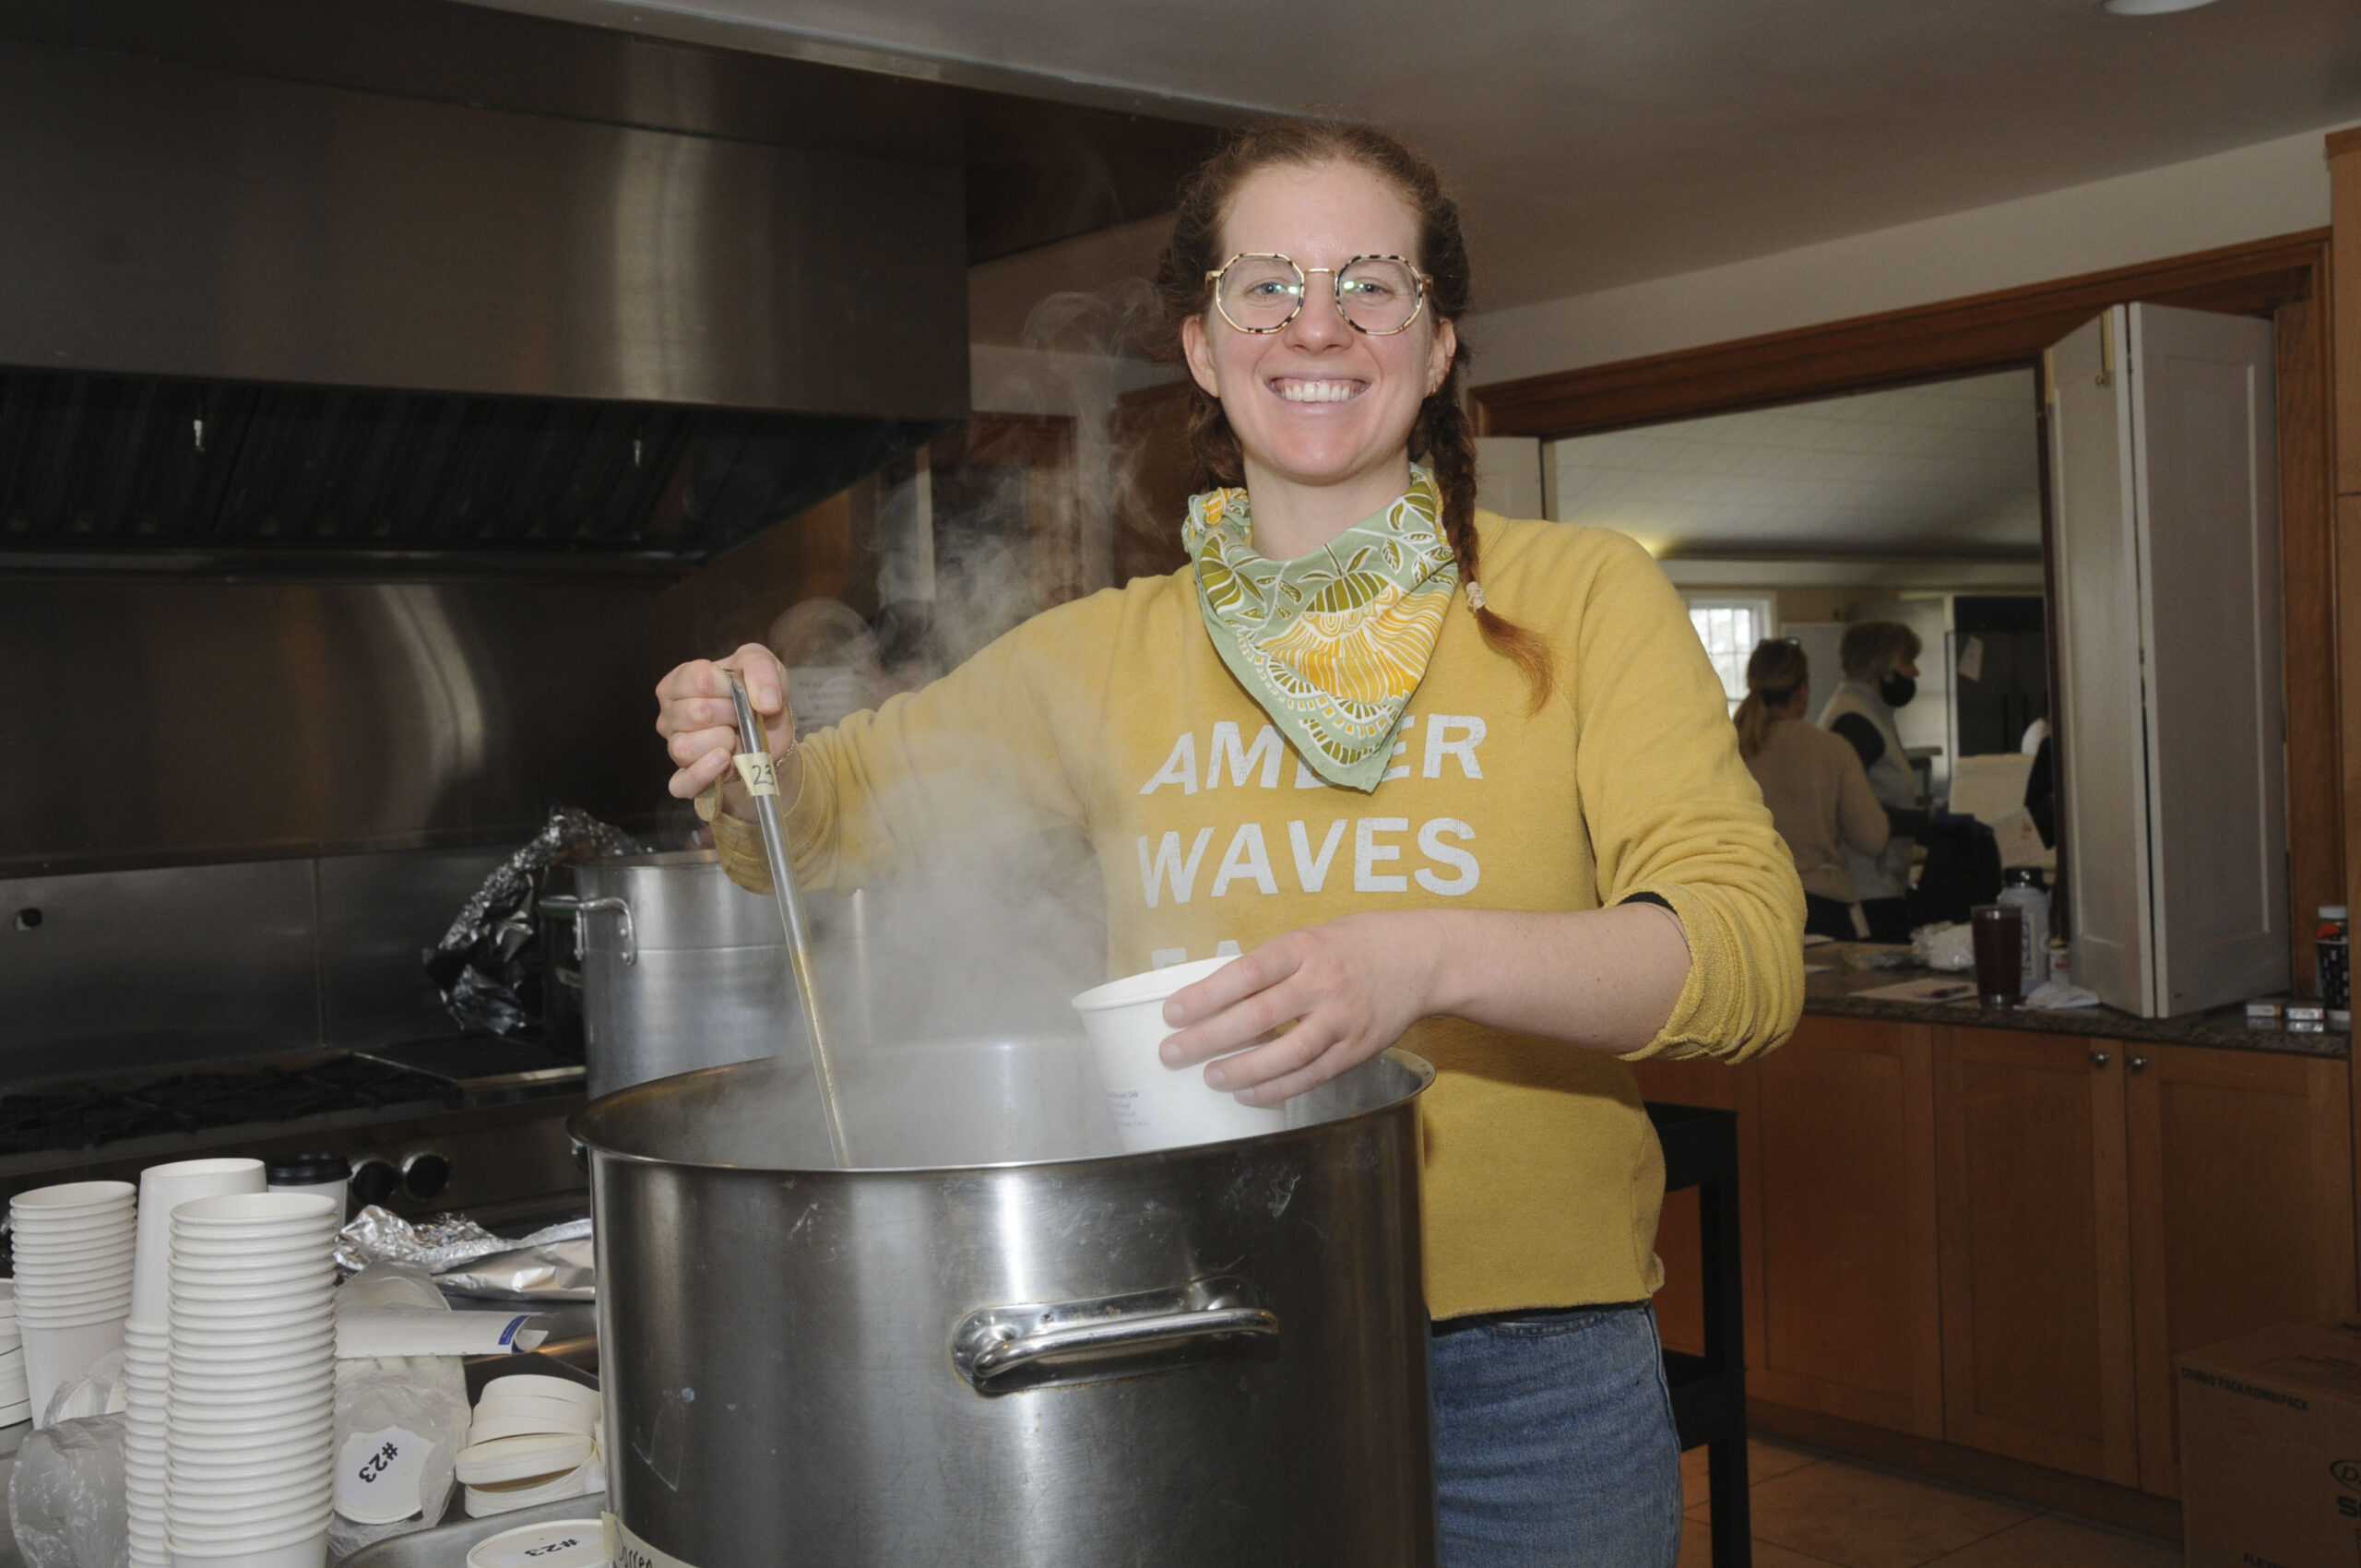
<point x="1554" y="1442"/>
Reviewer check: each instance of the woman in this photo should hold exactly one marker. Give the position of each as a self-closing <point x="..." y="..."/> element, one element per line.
<point x="1820" y="798"/>
<point x="1881" y="664"/>
<point x="1444" y="778"/>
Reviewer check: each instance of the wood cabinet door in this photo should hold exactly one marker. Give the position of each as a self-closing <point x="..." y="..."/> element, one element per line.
<point x="2036" y="1250"/>
<point x="2241" y="1211"/>
<point x="1848" y="1299"/>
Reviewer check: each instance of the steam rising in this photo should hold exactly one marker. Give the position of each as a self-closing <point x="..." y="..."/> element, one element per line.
<point x="999" y="920"/>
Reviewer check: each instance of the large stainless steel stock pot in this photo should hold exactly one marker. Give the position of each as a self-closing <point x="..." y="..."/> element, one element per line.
<point x="682" y="967"/>
<point x="998" y="1345"/>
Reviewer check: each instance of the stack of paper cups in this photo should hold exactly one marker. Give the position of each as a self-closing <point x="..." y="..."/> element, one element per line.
<point x="253" y="1380"/>
<point x="16" y="1400"/>
<point x="74" y="1251"/>
<point x="146" y="1337"/>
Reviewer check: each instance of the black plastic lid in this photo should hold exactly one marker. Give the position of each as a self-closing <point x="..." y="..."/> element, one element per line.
<point x="307" y="1170"/>
<point x="2024" y="877"/>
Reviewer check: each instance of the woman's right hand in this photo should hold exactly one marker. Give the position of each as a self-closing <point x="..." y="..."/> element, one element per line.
<point x="699" y="721"/>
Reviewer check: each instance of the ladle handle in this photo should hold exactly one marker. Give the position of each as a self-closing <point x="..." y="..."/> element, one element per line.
<point x="755" y="766"/>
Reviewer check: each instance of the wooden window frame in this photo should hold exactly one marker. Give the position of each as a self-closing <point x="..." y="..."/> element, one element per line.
<point x="2286" y="279"/>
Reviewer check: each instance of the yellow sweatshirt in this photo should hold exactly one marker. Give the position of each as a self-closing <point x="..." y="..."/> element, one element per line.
<point x="1543" y="1178"/>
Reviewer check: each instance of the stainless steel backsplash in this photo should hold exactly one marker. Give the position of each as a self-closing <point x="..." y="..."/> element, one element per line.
<point x="151" y="722"/>
<point x="107" y="971"/>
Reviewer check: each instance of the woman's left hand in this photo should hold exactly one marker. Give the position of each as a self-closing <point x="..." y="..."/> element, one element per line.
<point x="1351" y="988"/>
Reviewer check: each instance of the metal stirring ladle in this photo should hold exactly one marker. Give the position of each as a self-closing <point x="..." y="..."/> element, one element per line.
<point x="755" y="766"/>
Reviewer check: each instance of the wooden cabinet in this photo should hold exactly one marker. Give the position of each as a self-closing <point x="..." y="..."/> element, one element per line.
<point x="2036" y="1248"/>
<point x="2241" y="1208"/>
<point x="1843" y="1307"/>
<point x="2345" y="175"/>
<point x="2002" y="1237"/>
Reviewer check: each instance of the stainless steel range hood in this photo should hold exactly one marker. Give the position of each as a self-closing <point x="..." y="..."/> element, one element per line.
<point x="406" y="281"/>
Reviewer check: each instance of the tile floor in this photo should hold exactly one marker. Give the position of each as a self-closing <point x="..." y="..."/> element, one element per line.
<point x="1812" y="1509"/>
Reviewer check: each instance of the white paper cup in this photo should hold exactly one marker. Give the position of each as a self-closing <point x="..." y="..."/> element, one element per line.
<point x="543" y="1546"/>
<point x="253" y="1213"/>
<point x="224" y="1474"/>
<point x="271" y="1395"/>
<point x="163" y="1188"/>
<point x="305" y="1551"/>
<point x="54" y="1356"/>
<point x="212" y="1531"/>
<point x="1155" y="1106"/>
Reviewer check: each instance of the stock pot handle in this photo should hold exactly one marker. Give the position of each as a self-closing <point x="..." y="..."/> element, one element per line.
<point x="568" y="905"/>
<point x="1000" y="1349"/>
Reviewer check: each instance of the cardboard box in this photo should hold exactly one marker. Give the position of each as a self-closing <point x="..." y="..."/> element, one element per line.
<point x="2271" y="1449"/>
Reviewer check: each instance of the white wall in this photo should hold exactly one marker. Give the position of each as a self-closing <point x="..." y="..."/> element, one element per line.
<point x="2250" y="193"/>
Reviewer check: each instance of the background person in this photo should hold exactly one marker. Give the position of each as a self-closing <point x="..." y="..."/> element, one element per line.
<point x="1444" y="778"/>
<point x="1820" y="797"/>
<point x="1880" y="663"/>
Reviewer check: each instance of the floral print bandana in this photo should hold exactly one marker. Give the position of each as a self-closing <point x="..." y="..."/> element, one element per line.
<point x="1333" y="644"/>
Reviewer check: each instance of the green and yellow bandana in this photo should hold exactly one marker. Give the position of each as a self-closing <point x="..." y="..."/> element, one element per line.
<point x="1333" y="644"/>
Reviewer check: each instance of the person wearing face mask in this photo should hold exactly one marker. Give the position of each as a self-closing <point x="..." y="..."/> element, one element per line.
<point x="1820" y="798"/>
<point x="1439" y="777"/>
<point x="1881" y="664"/>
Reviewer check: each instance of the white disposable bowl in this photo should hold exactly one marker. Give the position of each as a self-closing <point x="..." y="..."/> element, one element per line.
<point x="1155" y="1106"/>
<point x="67" y="1197"/>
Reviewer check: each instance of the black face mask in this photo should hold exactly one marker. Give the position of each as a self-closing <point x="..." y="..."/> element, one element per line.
<point x="1897" y="690"/>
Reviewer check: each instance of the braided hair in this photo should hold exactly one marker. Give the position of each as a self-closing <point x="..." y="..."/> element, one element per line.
<point x="1443" y="437"/>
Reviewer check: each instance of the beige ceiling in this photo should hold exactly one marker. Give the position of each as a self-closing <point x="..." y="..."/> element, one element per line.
<point x="1597" y="142"/>
<point x="1951" y="469"/>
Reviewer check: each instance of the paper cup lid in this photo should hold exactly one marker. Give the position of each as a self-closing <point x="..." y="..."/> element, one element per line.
<point x="554" y="1543"/>
<point x="494" y="1425"/>
<point x="502" y="1384"/>
<point x="544" y="1455"/>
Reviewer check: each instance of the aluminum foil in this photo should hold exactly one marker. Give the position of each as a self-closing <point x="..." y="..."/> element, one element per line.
<point x="550" y="1265"/>
<point x="488" y="966"/>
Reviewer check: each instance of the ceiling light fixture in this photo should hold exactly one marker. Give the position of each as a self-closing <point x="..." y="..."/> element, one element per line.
<point x="2149" y="7"/>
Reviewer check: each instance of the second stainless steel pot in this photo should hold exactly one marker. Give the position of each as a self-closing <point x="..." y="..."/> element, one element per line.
<point x="681" y="969"/>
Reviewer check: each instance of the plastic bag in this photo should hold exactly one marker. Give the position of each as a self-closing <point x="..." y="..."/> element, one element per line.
<point x="489" y="966"/>
<point x="1946" y="947"/>
<point x="65" y="1498"/>
<point x="102" y="1390"/>
<point x="401" y="1421"/>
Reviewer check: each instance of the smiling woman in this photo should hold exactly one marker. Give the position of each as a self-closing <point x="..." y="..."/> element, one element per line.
<point x="1516" y="836"/>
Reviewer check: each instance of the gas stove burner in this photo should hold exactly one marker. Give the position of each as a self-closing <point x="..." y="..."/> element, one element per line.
<point x="87" y="1118"/>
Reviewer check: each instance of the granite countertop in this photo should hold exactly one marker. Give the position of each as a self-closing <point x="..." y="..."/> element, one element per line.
<point x="2225" y="1028"/>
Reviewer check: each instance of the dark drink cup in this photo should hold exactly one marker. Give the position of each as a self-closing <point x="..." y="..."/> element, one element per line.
<point x="1998" y="930"/>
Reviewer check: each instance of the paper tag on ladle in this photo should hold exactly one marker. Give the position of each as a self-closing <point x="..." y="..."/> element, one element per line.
<point x="755" y="768"/>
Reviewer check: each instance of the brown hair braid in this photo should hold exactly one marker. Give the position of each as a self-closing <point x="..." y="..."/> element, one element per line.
<point x="1443" y="437"/>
